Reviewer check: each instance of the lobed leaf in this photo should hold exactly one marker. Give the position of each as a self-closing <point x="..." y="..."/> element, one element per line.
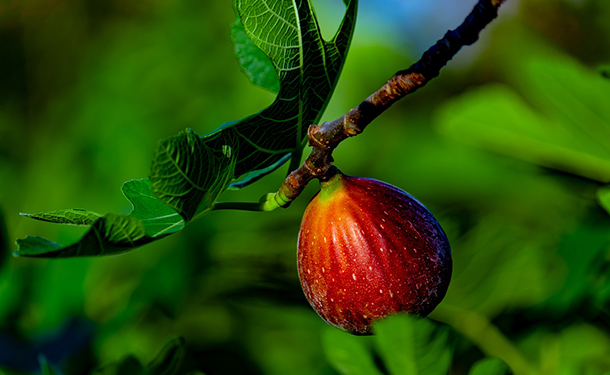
<point x="255" y="64"/>
<point x="190" y="172"/>
<point x="186" y="173"/>
<point x="111" y="234"/>
<point x="413" y="346"/>
<point x="75" y="216"/>
<point x="257" y="175"/>
<point x="308" y="68"/>
<point x="158" y="219"/>
<point x="149" y="219"/>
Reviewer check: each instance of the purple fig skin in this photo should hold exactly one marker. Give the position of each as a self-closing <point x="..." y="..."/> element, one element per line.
<point x="366" y="250"/>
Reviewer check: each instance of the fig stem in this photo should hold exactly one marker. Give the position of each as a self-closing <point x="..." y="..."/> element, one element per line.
<point x="264" y="205"/>
<point x="326" y="137"/>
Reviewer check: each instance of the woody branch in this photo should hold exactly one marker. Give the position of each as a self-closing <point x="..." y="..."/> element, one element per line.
<point x="326" y="137"/>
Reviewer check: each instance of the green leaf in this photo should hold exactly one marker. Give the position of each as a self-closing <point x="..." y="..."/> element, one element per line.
<point x="35" y="245"/>
<point x="149" y="219"/>
<point x="570" y="131"/>
<point x="349" y="354"/>
<point x="187" y="174"/>
<point x="413" y="346"/>
<point x="158" y="219"/>
<point x="111" y="234"/>
<point x="489" y="366"/>
<point x="190" y="172"/>
<point x="254" y="63"/>
<point x="586" y="269"/>
<point x="407" y="345"/>
<point x="75" y="216"/>
<point x="308" y="68"/>
<point x="169" y="359"/>
<point x="257" y="175"/>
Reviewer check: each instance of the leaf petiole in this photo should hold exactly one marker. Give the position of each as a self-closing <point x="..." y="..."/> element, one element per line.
<point x="268" y="202"/>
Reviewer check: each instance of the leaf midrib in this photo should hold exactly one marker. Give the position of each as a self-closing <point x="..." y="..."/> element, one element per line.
<point x="183" y="173"/>
<point x="299" y="131"/>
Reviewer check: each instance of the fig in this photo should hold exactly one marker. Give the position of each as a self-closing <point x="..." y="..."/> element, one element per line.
<point x="366" y="250"/>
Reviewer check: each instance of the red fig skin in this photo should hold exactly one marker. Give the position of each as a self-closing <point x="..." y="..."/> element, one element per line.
<point x="367" y="249"/>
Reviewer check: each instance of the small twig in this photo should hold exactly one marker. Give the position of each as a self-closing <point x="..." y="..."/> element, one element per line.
<point x="324" y="138"/>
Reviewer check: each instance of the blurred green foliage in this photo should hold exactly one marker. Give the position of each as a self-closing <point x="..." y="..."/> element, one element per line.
<point x="405" y="345"/>
<point x="508" y="148"/>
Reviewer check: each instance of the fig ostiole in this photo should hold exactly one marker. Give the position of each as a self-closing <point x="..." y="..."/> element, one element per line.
<point x="366" y="250"/>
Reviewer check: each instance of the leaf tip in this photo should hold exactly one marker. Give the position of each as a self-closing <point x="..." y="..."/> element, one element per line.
<point x="34" y="246"/>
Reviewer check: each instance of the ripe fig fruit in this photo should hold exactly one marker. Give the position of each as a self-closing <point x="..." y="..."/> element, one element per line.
<point x="368" y="249"/>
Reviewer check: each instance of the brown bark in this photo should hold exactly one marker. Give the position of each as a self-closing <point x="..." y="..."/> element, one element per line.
<point x="326" y="137"/>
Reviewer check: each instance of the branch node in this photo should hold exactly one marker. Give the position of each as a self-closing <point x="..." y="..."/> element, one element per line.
<point x="316" y="138"/>
<point x="326" y="137"/>
<point x="350" y="126"/>
<point x="313" y="169"/>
